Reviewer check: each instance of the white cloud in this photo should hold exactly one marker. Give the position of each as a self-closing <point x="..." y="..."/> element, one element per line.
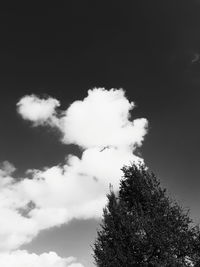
<point x="21" y="258"/>
<point x="100" y="124"/>
<point x="6" y="168"/>
<point x="37" y="110"/>
<point x="75" y="190"/>
<point x="15" y="229"/>
<point x="101" y="119"/>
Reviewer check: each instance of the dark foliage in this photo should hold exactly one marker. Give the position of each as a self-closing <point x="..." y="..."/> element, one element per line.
<point x="142" y="227"/>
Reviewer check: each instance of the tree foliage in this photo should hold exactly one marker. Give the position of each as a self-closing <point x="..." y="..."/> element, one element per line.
<point x="142" y="226"/>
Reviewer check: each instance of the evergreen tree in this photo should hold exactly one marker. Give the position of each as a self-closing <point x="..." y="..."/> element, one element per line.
<point x="142" y="227"/>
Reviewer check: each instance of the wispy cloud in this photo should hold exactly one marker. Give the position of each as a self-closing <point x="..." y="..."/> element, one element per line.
<point x="6" y="168"/>
<point x="195" y="58"/>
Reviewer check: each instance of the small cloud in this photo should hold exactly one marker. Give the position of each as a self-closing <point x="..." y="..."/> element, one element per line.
<point x="37" y="110"/>
<point x="195" y="58"/>
<point x="7" y="168"/>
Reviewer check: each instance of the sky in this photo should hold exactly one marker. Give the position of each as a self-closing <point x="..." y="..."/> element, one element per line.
<point x="86" y="87"/>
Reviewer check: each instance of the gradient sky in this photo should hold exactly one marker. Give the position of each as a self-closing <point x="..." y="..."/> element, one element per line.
<point x="151" y="49"/>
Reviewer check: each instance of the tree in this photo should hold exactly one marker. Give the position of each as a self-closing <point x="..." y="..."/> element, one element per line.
<point x="142" y="226"/>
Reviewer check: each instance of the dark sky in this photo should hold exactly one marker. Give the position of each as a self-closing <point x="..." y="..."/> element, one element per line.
<point x="149" y="48"/>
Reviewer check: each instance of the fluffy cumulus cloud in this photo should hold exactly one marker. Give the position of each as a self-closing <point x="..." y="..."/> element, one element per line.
<point x="21" y="258"/>
<point x="57" y="195"/>
<point x="39" y="111"/>
<point x="101" y="119"/>
<point x="101" y="125"/>
<point x="19" y="227"/>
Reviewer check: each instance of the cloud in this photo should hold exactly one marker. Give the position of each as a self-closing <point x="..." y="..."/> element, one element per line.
<point x="76" y="189"/>
<point x="102" y="127"/>
<point x="21" y="258"/>
<point x="37" y="110"/>
<point x="6" y="168"/>
<point x="101" y="119"/>
<point x="15" y="229"/>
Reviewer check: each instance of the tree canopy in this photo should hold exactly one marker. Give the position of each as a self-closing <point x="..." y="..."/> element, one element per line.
<point x="142" y="226"/>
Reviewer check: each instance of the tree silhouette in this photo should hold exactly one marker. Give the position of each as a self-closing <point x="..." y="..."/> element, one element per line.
<point x="141" y="226"/>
